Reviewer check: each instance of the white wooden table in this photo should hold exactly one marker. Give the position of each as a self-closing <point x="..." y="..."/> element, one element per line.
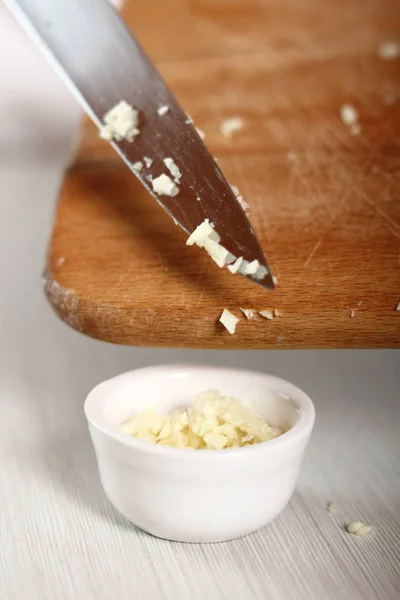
<point x="59" y="537"/>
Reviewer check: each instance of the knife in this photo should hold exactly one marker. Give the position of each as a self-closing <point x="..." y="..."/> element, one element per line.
<point x="92" y="49"/>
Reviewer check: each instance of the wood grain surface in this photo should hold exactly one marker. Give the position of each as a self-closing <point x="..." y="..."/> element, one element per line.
<point x="324" y="203"/>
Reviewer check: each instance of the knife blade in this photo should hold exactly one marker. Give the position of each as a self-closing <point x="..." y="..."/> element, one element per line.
<point x="102" y="64"/>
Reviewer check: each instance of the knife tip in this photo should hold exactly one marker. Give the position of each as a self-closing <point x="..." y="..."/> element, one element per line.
<point x="267" y="282"/>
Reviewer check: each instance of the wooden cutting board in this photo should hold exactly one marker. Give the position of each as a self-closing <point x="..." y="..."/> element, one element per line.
<point x="324" y="203"/>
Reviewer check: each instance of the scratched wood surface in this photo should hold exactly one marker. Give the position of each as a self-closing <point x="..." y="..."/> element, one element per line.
<point x="324" y="203"/>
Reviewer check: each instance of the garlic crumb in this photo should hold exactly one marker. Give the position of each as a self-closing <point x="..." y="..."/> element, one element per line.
<point x="389" y="50"/>
<point x="348" y="114"/>
<point x="163" y="110"/>
<point x="147" y="161"/>
<point x="228" y="320"/>
<point x="236" y="265"/>
<point x="239" y="198"/>
<point x="349" y="117"/>
<point x="242" y="203"/>
<point x="248" y="312"/>
<point x="220" y="255"/>
<point x="163" y="185"/>
<point x="352" y="313"/>
<point x="120" y="123"/>
<point x="202" y="232"/>
<point x="137" y="166"/>
<point x="267" y="314"/>
<point x="277" y="312"/>
<point x="173" y="169"/>
<point x="252" y="267"/>
<point x="261" y="272"/>
<point x="398" y="306"/>
<point x="230" y="126"/>
<point x="359" y="529"/>
<point x="205" y="237"/>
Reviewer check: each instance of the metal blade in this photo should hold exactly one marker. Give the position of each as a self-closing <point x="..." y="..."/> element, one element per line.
<point x="92" y="49"/>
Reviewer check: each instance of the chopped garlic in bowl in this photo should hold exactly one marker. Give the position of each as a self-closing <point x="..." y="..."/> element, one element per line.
<point x="214" y="422"/>
<point x="206" y="496"/>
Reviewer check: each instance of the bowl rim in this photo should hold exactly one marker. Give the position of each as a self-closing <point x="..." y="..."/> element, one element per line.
<point x="93" y="408"/>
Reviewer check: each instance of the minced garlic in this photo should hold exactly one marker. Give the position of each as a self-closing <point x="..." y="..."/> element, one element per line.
<point x="173" y="169"/>
<point x="242" y="203"/>
<point x="389" y="50"/>
<point x="251" y="268"/>
<point x="120" y="123"/>
<point x="248" y="312"/>
<point x="220" y="255"/>
<point x="205" y="237"/>
<point x="203" y="232"/>
<point x="214" y="422"/>
<point x="359" y="529"/>
<point x="239" y="198"/>
<point x="163" y="185"/>
<point x="267" y="314"/>
<point x="228" y="320"/>
<point x="230" y="126"/>
<point x="348" y="114"/>
<point x="236" y="265"/>
<point x="137" y="166"/>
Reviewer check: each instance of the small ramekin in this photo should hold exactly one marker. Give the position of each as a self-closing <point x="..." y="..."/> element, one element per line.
<point x="198" y="495"/>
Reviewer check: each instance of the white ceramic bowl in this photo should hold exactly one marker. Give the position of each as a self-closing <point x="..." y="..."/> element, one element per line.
<point x="198" y="495"/>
